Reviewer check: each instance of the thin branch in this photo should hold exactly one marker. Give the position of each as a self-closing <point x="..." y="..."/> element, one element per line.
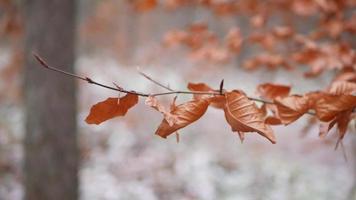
<point x="154" y="81"/>
<point x="120" y="89"/>
<point x="87" y="79"/>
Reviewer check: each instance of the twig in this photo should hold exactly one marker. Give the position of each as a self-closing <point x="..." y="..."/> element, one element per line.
<point x="87" y="79"/>
<point x="120" y="89"/>
<point x="117" y="88"/>
<point x="154" y="81"/>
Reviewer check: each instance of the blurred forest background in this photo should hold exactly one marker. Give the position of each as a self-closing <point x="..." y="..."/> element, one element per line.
<point x="47" y="151"/>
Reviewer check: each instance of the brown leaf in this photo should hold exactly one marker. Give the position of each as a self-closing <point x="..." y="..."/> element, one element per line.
<point x="271" y="91"/>
<point x="291" y="108"/>
<point x="185" y="114"/>
<point x="328" y="106"/>
<point x="342" y="87"/>
<point x="199" y="87"/>
<point x="216" y="101"/>
<point x="271" y="120"/>
<point x="244" y="116"/>
<point x="342" y="120"/>
<point x="110" y="108"/>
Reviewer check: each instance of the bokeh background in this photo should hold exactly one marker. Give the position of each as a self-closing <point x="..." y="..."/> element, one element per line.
<point x="123" y="159"/>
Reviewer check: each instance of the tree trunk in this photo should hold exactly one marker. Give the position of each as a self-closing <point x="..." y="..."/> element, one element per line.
<point x="51" y="152"/>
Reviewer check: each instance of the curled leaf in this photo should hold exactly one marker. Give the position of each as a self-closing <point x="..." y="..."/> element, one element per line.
<point x="291" y="108"/>
<point x="328" y="106"/>
<point x="271" y="120"/>
<point x="110" y="108"/>
<point x="342" y="87"/>
<point x="244" y="116"/>
<point x="202" y="87"/>
<point x="216" y="101"/>
<point x="185" y="114"/>
<point x="271" y="91"/>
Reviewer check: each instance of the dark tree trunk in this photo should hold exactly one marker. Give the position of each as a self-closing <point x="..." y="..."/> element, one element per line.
<point x="51" y="152"/>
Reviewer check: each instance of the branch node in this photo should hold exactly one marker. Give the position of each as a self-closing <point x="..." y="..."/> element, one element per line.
<point x="89" y="80"/>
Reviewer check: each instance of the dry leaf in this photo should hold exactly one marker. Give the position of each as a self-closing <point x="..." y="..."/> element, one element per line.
<point x="271" y="91"/>
<point x="342" y="120"/>
<point x="216" y="101"/>
<point x="271" y="120"/>
<point x="328" y="106"/>
<point x="291" y="108"/>
<point x="110" y="108"/>
<point x="185" y="114"/>
<point x="342" y="87"/>
<point x="244" y="116"/>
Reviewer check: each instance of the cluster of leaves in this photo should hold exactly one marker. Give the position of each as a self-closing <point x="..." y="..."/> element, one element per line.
<point x="204" y="44"/>
<point x="281" y="44"/>
<point x="333" y="106"/>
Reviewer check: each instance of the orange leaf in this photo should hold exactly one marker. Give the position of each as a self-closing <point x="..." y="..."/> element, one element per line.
<point x="271" y="91"/>
<point x="271" y="120"/>
<point x="185" y="114"/>
<point x="328" y="106"/>
<point x="291" y="108"/>
<point x="342" y="120"/>
<point x="110" y="108"/>
<point x="216" y="101"/>
<point x="244" y="116"/>
<point x="342" y="87"/>
<point x="199" y="87"/>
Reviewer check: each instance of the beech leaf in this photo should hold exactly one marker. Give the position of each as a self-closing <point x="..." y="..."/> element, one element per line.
<point x="291" y="108"/>
<point x="216" y="101"/>
<point x="244" y="116"/>
<point x="271" y="91"/>
<point x="185" y="114"/>
<point x="328" y="106"/>
<point x="342" y="87"/>
<point x="110" y="108"/>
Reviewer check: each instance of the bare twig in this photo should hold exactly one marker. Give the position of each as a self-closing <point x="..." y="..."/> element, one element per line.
<point x="117" y="88"/>
<point x="87" y="79"/>
<point x="154" y="81"/>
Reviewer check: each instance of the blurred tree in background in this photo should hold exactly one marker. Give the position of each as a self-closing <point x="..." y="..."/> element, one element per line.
<point x="51" y="152"/>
